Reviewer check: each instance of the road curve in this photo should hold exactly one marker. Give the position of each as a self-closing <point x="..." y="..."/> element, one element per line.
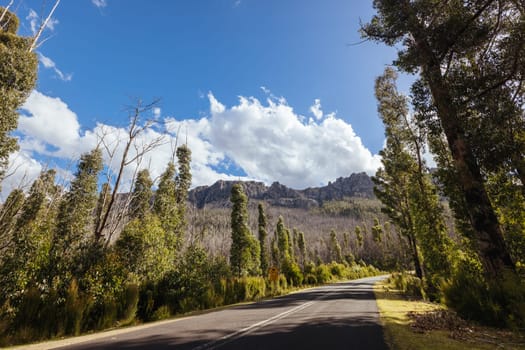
<point x="337" y="316"/>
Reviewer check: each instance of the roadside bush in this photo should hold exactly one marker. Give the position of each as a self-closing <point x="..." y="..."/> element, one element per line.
<point x="409" y="284"/>
<point x="75" y="307"/>
<point x="128" y="304"/>
<point x="292" y="272"/>
<point x="322" y="273"/>
<point x="499" y="303"/>
<point x="161" y="313"/>
<point x="337" y="270"/>
<point x="310" y="279"/>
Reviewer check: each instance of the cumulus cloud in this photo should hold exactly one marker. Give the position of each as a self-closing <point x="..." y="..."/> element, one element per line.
<point x="268" y="142"/>
<point x="49" y="120"/>
<point x="50" y="64"/>
<point x="99" y="3"/>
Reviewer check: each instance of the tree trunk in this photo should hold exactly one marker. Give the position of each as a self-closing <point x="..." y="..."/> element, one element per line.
<point x="489" y="238"/>
<point x="415" y="256"/>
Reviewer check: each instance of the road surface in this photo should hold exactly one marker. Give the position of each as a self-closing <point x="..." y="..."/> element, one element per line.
<point x="337" y="316"/>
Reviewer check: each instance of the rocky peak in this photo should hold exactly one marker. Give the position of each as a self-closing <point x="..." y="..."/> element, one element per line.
<point x="356" y="185"/>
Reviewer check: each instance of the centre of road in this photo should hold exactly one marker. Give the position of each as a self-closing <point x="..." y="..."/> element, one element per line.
<point x="214" y="344"/>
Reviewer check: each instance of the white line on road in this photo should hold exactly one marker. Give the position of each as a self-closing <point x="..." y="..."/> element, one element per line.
<point x="229" y="337"/>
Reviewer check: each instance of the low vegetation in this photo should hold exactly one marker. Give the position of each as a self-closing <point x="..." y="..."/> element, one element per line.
<point x="411" y="323"/>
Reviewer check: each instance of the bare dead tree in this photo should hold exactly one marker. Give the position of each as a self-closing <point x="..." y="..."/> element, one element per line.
<point x="35" y="43"/>
<point x="133" y="152"/>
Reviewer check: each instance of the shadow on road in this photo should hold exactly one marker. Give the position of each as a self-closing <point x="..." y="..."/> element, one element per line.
<point x="325" y="333"/>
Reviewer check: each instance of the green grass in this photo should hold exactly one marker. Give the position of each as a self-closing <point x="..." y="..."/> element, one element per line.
<point x="399" y="335"/>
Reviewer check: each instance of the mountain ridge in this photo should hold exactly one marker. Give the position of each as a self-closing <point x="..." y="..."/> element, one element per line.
<point x="356" y="185"/>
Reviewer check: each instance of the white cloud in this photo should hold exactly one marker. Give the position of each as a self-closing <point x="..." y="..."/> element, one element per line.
<point x="268" y="142"/>
<point x="156" y="112"/>
<point x="21" y="173"/>
<point x="49" y="120"/>
<point x="50" y="64"/>
<point x="316" y="109"/>
<point x="272" y="143"/>
<point x="237" y="3"/>
<point x="35" y="21"/>
<point x="99" y="3"/>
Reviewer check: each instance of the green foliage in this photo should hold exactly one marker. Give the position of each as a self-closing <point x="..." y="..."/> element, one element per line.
<point x="403" y="186"/>
<point x="74" y="309"/>
<point x="499" y="302"/>
<point x="292" y="272"/>
<point x="245" y="249"/>
<point x="263" y="234"/>
<point x="141" y="196"/>
<point x="9" y="22"/>
<point x="358" y="236"/>
<point x="73" y="231"/>
<point x="18" y="73"/>
<point x="183" y="183"/>
<point x="410" y="285"/>
<point x="322" y="274"/>
<point x="336" y="253"/>
<point x="144" y="248"/>
<point x="472" y="109"/>
<point x="283" y="244"/>
<point x="129" y="304"/>
<point x="165" y="205"/>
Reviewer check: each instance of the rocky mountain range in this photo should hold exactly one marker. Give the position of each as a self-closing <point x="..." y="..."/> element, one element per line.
<point x="218" y="194"/>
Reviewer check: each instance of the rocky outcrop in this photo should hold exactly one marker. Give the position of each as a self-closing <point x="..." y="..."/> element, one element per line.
<point x="218" y="194"/>
<point x="356" y="185"/>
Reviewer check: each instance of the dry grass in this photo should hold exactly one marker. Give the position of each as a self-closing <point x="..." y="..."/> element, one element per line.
<point x="415" y="324"/>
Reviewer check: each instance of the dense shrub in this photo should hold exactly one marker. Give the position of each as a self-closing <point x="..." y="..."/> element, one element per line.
<point x="499" y="303"/>
<point x="409" y="284"/>
<point x="322" y="273"/>
<point x="292" y="272"/>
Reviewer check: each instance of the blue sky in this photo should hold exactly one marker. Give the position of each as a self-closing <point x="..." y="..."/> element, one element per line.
<point x="285" y="73"/>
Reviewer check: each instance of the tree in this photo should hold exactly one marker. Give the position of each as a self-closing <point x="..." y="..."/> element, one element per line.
<point x="440" y="39"/>
<point x="404" y="186"/>
<point x="75" y="219"/>
<point x="141" y="196"/>
<point x="183" y="183"/>
<point x="263" y="234"/>
<point x="335" y="248"/>
<point x="245" y="250"/>
<point x="283" y="244"/>
<point x="8" y="216"/>
<point x="145" y="249"/>
<point x="165" y="204"/>
<point x="26" y="260"/>
<point x="301" y="244"/>
<point x="358" y="236"/>
<point x="132" y="153"/>
<point x="18" y="73"/>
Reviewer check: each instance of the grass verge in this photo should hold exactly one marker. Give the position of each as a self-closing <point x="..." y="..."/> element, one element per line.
<point x="415" y="324"/>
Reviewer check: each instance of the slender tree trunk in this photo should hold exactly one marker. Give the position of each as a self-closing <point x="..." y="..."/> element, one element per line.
<point x="415" y="256"/>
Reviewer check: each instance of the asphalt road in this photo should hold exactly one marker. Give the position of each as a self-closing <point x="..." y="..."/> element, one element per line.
<point x="337" y="316"/>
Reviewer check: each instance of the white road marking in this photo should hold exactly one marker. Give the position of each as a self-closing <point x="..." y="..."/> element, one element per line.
<point x="214" y="344"/>
<point x="229" y="337"/>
